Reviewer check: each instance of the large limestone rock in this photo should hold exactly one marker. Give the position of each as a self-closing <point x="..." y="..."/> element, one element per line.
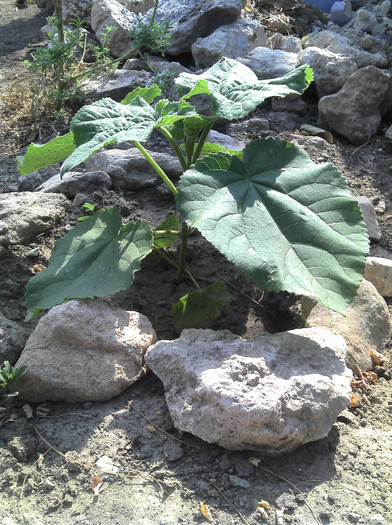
<point x="129" y="169"/>
<point x="272" y="393"/>
<point x="25" y="215"/>
<point x="189" y="20"/>
<point x="330" y="70"/>
<point x="355" y="111"/>
<point x="231" y="41"/>
<point x="105" y="13"/>
<point x="366" y="326"/>
<point x="84" y="351"/>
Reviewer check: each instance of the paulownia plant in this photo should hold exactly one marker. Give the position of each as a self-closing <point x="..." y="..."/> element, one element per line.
<point x="284" y="221"/>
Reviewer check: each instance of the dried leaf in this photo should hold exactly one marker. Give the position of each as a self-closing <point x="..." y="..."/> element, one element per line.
<point x="371" y="377"/>
<point x="379" y="359"/>
<point x="262" y="512"/>
<point x="254" y="461"/>
<point x="96" y="485"/>
<point x="354" y="403"/>
<point x="151" y="429"/>
<point x="265" y="504"/>
<point x="42" y="410"/>
<point x="319" y="132"/>
<point x="380" y="207"/>
<point x="205" y="511"/>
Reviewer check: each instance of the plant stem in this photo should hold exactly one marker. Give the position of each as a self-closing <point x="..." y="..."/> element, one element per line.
<point x="203" y="138"/>
<point x="181" y="259"/>
<point x="166" y="133"/>
<point x="58" y="5"/>
<point x="105" y="64"/>
<point x="154" y="12"/>
<point x="156" y="167"/>
<point x="167" y="259"/>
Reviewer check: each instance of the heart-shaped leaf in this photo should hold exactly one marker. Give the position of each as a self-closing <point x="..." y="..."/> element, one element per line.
<point x="286" y="222"/>
<point x="97" y="257"/>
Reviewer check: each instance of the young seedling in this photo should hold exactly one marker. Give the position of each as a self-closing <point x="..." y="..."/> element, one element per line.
<point x="8" y="375"/>
<point x="284" y="221"/>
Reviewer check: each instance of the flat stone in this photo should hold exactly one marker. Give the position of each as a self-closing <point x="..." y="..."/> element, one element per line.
<point x="270" y="63"/>
<point x="73" y="182"/>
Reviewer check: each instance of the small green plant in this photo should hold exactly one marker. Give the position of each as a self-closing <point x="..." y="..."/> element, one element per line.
<point x="8" y="375"/>
<point x="286" y="222"/>
<point x="150" y="37"/>
<point x="88" y="207"/>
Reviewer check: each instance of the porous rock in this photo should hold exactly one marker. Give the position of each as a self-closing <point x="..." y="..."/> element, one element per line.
<point x="84" y="351"/>
<point x="378" y="271"/>
<point x="129" y="169"/>
<point x="365" y="327"/>
<point x="24" y="215"/>
<point x="272" y="393"/>
<point x="231" y="41"/>
<point x="12" y="340"/>
<point x="355" y="110"/>
<point x="72" y="183"/>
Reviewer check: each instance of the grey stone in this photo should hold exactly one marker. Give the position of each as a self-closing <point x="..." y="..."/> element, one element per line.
<point x="272" y="393"/>
<point x="270" y="63"/>
<point x="116" y="86"/>
<point x="341" y="12"/>
<point x="193" y="19"/>
<point x="12" y="340"/>
<point x="22" y="448"/>
<point x="355" y="111"/>
<point x="172" y="450"/>
<point x="30" y="182"/>
<point x="369" y="217"/>
<point x="291" y="44"/>
<point x="379" y="272"/>
<point x="72" y="183"/>
<point x="106" y="13"/>
<point x="331" y="70"/>
<point x="365" y="327"/>
<point x="161" y="65"/>
<point x="25" y="215"/>
<point x="84" y="351"/>
<point x="129" y="169"/>
<point x="341" y="45"/>
<point x="231" y="41"/>
<point x="224" y="140"/>
<point x="293" y="105"/>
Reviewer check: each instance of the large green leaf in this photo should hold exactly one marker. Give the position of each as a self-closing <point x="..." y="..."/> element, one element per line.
<point x="148" y="93"/>
<point x="39" y="156"/>
<point x="286" y="222"/>
<point x="235" y="89"/>
<point x="97" y="257"/>
<point x="107" y="121"/>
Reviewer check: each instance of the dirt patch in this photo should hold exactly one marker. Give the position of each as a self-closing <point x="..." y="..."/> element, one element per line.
<point x="47" y="464"/>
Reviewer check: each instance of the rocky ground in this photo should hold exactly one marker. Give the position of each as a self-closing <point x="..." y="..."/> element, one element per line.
<point x="151" y="474"/>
